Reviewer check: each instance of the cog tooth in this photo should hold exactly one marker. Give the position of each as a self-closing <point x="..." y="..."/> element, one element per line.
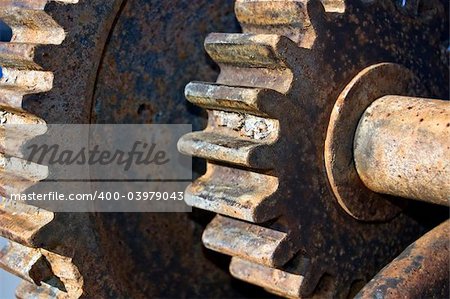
<point x="231" y="149"/>
<point x="26" y="263"/>
<point x="69" y="278"/>
<point x="247" y="50"/>
<point x="255" y="101"/>
<point x="22" y="169"/>
<point x="11" y="116"/>
<point x="23" y="76"/>
<point x="31" y="26"/>
<point x="27" y="290"/>
<point x="234" y="192"/>
<point x="42" y="267"/>
<point x="248" y="241"/>
<point x="289" y="18"/>
<point x="273" y="280"/>
<point x="272" y="12"/>
<point x="22" y="223"/>
<point x="11" y="99"/>
<point x="337" y="6"/>
<point x="16" y="128"/>
<point x="22" y="51"/>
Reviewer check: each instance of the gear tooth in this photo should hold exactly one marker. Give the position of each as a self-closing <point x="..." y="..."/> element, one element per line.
<point x="26" y="263"/>
<point x="337" y="6"/>
<point x="223" y="147"/>
<point x="69" y="278"/>
<point x="27" y="290"/>
<point x="289" y="18"/>
<point x="11" y="99"/>
<point x="21" y="223"/>
<point x="273" y="280"/>
<point x="30" y="26"/>
<point x="231" y="98"/>
<point x="23" y="76"/>
<point x="272" y="12"/>
<point x="16" y="168"/>
<point x="218" y="191"/>
<point x="29" y="125"/>
<point x="24" y="51"/>
<point x="248" y="241"/>
<point x="17" y="127"/>
<point x="19" y="260"/>
<point x="246" y="50"/>
<point x="11" y="116"/>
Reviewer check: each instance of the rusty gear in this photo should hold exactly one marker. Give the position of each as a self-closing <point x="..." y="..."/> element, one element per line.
<point x="24" y="26"/>
<point x="268" y="116"/>
<point x="117" y="255"/>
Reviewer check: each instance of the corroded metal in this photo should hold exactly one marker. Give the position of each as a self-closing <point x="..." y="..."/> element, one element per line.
<point x="113" y="255"/>
<point x="420" y="271"/>
<point x="351" y="193"/>
<point x="274" y="97"/>
<point x="265" y="139"/>
<point x="29" y="26"/>
<point x="251" y="242"/>
<point x="402" y="148"/>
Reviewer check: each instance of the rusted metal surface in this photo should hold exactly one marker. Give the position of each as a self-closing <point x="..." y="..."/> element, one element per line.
<point x="235" y="193"/>
<point x="115" y="66"/>
<point x="248" y="241"/>
<point x="31" y="26"/>
<point x="402" y="148"/>
<point x="301" y="55"/>
<point x="27" y="290"/>
<point x="351" y="193"/>
<point x="25" y="262"/>
<point x="274" y="280"/>
<point x="100" y="76"/>
<point x="420" y="271"/>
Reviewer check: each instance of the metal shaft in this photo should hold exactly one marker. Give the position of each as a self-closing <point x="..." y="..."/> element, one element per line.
<point x="402" y="148"/>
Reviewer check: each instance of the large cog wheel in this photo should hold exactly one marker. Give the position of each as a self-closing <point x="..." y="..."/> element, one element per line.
<point x="116" y="255"/>
<point x="264" y="142"/>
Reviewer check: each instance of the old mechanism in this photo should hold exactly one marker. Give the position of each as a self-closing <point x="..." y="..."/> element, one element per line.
<point x="111" y="255"/>
<point x="326" y="118"/>
<point x="327" y="145"/>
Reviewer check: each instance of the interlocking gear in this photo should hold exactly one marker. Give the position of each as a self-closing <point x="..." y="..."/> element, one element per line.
<point x="116" y="255"/>
<point x="268" y="116"/>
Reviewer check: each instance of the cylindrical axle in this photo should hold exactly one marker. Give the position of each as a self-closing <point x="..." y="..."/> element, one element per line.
<point x="402" y="148"/>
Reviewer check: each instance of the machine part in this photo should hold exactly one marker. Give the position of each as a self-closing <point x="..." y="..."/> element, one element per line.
<point x="116" y="255"/>
<point x="27" y="25"/>
<point x="420" y="271"/>
<point x="351" y="193"/>
<point x="265" y="140"/>
<point x="417" y="145"/>
<point x="402" y="146"/>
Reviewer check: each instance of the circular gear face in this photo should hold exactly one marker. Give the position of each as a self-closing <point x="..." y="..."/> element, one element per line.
<point x="269" y="111"/>
<point x="106" y="44"/>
